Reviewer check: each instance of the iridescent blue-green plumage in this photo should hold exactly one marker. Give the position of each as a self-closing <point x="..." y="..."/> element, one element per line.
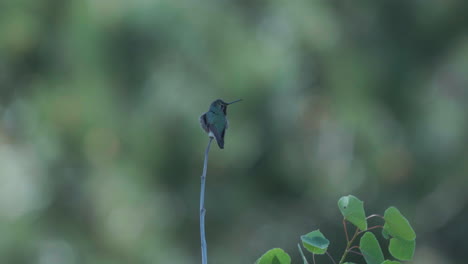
<point x="215" y="122"/>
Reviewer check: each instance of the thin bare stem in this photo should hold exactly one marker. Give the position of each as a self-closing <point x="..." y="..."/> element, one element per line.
<point x="370" y="228"/>
<point x="302" y="254"/>
<point x="313" y="257"/>
<point x="374" y="227"/>
<point x="330" y="257"/>
<point x="348" y="245"/>
<point x="355" y="252"/>
<point x="374" y="215"/>
<point x="202" y="206"/>
<point x="353" y="247"/>
<point x="345" y="230"/>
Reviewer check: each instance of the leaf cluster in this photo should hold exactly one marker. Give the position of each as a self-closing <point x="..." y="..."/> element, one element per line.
<point x="395" y="228"/>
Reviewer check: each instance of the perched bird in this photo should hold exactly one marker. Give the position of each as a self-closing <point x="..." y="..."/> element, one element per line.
<point x="215" y="122"/>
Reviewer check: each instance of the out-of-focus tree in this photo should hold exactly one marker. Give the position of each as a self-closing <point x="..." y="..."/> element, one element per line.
<point x="101" y="150"/>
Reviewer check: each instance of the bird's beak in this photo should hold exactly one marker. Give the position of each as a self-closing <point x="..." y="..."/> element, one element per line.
<point x="234" y="102"/>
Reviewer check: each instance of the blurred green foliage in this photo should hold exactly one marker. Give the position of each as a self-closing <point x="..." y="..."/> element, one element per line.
<point x="101" y="151"/>
<point x="401" y="246"/>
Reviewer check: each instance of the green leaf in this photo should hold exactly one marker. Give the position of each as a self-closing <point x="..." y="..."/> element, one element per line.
<point x="402" y="249"/>
<point x="370" y="249"/>
<point x="385" y="233"/>
<point x="390" y="262"/>
<point x="315" y="242"/>
<point x="274" y="256"/>
<point x="353" y="210"/>
<point x="397" y="225"/>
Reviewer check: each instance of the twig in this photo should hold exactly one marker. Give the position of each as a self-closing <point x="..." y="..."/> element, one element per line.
<point x="302" y="254"/>
<point x="345" y="230"/>
<point x="353" y="247"/>
<point x="358" y="232"/>
<point x="330" y="257"/>
<point x="348" y="245"/>
<point x="355" y="252"/>
<point x="202" y="206"/>
<point x="350" y="242"/>
<point x="370" y="228"/>
<point x="374" y="215"/>
<point x="313" y="257"/>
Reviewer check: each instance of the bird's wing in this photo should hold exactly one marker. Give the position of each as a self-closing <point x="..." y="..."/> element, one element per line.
<point x="219" y="137"/>
<point x="218" y="128"/>
<point x="204" y="123"/>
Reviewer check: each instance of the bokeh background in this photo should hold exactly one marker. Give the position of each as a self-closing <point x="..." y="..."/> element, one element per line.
<point x="101" y="151"/>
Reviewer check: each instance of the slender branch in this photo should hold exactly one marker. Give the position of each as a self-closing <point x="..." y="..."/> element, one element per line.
<point x="302" y="254"/>
<point x="370" y="228"/>
<point x="358" y="232"/>
<point x="348" y="245"/>
<point x="353" y="247"/>
<point x="355" y="252"/>
<point x="313" y="257"/>
<point x="330" y="257"/>
<point x="345" y="230"/>
<point x="202" y="206"/>
<point x="374" y="227"/>
<point x="374" y="215"/>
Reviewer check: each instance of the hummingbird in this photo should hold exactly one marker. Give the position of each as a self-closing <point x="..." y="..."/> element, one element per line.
<point x="215" y="122"/>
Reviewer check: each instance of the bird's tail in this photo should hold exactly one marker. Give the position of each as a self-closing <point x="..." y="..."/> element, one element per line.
<point x="220" y="142"/>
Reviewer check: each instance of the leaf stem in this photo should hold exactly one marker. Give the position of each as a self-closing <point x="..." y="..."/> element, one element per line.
<point x="302" y="254"/>
<point x="370" y="228"/>
<point x="353" y="247"/>
<point x="345" y="230"/>
<point x="348" y="246"/>
<point x="374" y="215"/>
<point x="202" y="206"/>
<point x="330" y="257"/>
<point x="355" y="252"/>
